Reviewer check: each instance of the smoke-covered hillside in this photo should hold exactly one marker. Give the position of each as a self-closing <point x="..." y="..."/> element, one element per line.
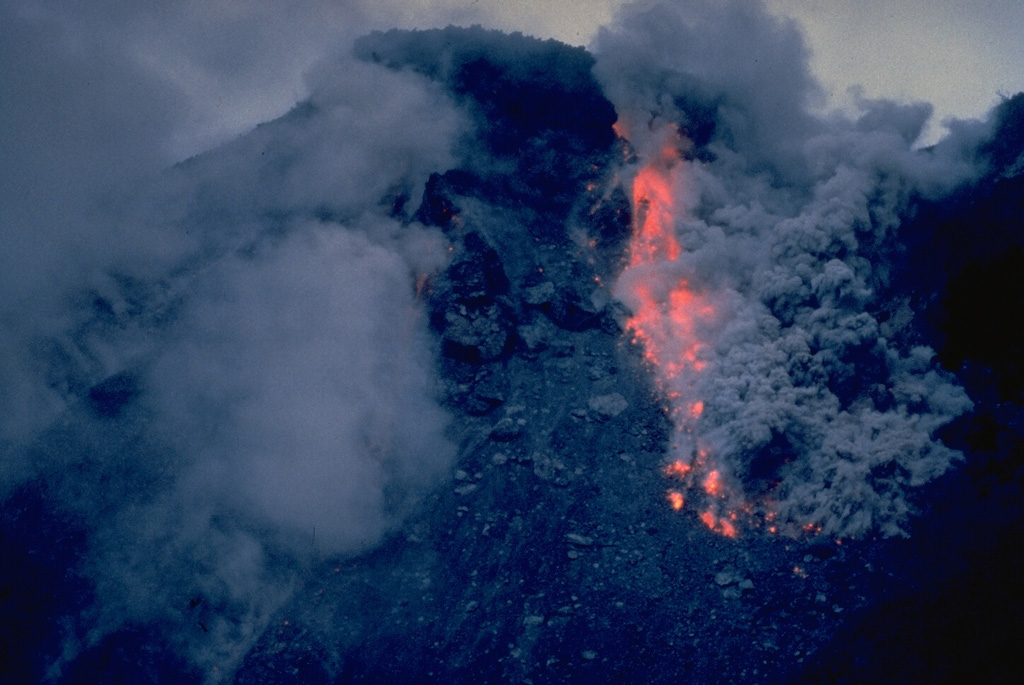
<point x="501" y="360"/>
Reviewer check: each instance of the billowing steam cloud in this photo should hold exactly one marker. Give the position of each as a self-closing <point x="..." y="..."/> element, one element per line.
<point x="229" y="373"/>
<point x="812" y="406"/>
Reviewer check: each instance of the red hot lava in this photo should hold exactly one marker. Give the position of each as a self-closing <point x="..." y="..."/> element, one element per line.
<point x="668" y="317"/>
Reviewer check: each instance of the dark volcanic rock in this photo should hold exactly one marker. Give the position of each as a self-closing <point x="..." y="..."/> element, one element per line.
<point x="478" y="277"/>
<point x="438" y="207"/>
<point x="475" y="322"/>
<point x="552" y="555"/>
<point x="574" y="310"/>
<point x="526" y="88"/>
<point x="480" y="335"/>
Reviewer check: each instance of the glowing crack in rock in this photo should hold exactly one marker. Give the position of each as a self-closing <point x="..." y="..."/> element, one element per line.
<point x="668" y="319"/>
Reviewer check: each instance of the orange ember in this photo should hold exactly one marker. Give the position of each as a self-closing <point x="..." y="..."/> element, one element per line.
<point x="723" y="526"/>
<point x="713" y="484"/>
<point x="677" y="468"/>
<point x="669" y="315"/>
<point x="811" y="528"/>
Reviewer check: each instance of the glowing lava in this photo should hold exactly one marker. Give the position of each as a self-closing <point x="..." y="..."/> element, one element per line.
<point x="668" y="320"/>
<point x="667" y="313"/>
<point x="654" y="204"/>
<point x="713" y="484"/>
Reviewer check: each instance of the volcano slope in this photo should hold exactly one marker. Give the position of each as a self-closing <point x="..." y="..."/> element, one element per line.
<point x="522" y="529"/>
<point x="554" y="555"/>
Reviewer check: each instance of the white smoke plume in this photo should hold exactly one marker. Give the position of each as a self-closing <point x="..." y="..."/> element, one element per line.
<point x="810" y="409"/>
<point x="221" y="370"/>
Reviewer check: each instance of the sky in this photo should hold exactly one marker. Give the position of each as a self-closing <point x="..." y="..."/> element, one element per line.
<point x="236" y="64"/>
<point x="958" y="60"/>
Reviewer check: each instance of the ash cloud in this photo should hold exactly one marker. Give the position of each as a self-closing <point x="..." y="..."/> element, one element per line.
<point x="300" y="383"/>
<point x="816" y="404"/>
<point x="214" y="373"/>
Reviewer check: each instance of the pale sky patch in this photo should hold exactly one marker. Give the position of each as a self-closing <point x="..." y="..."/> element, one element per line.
<point x="958" y="57"/>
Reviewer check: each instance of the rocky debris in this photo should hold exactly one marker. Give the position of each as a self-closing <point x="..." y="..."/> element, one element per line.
<point x="533" y="339"/>
<point x="568" y="306"/>
<point x="562" y="348"/>
<point x="507" y="429"/>
<point x="465" y="489"/>
<point x="475" y="320"/>
<point x="608" y="406"/>
<point x="728" y="576"/>
<point x="579" y="540"/>
<point x="549" y="468"/>
<point x="734" y="582"/>
<point x="438" y="207"/>
<point x="480" y="335"/>
<point x="478" y="276"/>
<point x="540" y="296"/>
<point x="466" y="483"/>
<point x="490" y="387"/>
<point x="475" y="389"/>
<point x="576" y="310"/>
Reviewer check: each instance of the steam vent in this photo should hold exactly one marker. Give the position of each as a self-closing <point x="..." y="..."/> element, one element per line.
<point x="502" y="361"/>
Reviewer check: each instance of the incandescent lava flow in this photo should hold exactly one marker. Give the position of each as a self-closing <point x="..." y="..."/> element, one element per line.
<point x="670" y="319"/>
